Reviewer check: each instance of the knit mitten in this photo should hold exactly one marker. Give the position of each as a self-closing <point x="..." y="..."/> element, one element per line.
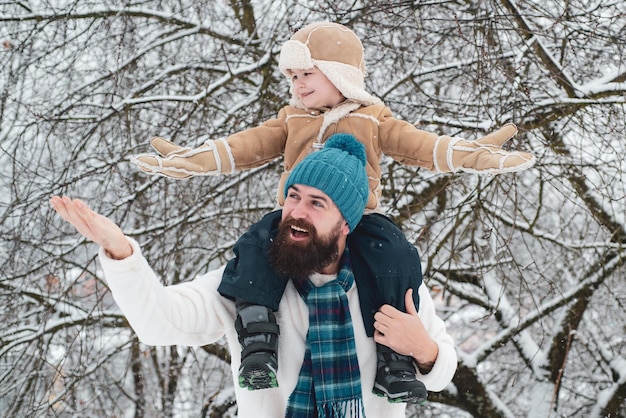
<point x="484" y="155"/>
<point x="210" y="158"/>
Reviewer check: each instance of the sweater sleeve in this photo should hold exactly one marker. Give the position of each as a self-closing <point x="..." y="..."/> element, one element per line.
<point x="445" y="365"/>
<point x="405" y="143"/>
<point x="191" y="313"/>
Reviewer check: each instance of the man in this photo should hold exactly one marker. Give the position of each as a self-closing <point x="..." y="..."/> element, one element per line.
<point x="327" y="361"/>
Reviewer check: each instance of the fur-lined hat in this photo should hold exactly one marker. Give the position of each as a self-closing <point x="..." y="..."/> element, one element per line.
<point x="336" y="51"/>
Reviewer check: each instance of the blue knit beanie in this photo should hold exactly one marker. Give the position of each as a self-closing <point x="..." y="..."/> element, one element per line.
<point x="338" y="170"/>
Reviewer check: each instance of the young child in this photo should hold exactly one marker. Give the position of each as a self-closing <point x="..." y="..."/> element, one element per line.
<point x="325" y="65"/>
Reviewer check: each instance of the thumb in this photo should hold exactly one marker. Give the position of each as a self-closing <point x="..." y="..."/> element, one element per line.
<point x="500" y="136"/>
<point x="408" y="302"/>
<point x="165" y="147"/>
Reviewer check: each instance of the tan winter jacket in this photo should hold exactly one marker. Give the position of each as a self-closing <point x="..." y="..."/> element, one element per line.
<point x="296" y="132"/>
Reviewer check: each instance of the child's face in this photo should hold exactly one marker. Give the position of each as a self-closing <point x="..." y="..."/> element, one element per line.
<point x="315" y="90"/>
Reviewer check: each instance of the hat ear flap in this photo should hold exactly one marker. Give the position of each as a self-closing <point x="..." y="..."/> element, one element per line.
<point x="294" y="55"/>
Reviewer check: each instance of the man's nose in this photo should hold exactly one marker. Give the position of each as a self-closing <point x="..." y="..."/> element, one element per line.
<point x="298" y="212"/>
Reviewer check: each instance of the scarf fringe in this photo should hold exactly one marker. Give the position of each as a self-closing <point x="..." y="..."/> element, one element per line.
<point x="352" y="408"/>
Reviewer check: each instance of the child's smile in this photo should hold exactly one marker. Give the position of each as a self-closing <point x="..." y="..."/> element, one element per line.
<point x="314" y="89"/>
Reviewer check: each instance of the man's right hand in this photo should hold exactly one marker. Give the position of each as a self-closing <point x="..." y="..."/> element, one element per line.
<point x="93" y="226"/>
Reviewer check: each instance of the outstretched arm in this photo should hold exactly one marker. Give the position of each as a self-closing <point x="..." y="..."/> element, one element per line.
<point x="93" y="226"/>
<point x="191" y="313"/>
<point x="408" y="145"/>
<point x="244" y="150"/>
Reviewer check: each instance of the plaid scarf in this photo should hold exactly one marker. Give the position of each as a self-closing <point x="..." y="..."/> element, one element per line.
<point x="329" y="384"/>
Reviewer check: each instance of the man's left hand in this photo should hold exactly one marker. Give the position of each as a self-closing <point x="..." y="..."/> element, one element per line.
<point x="405" y="333"/>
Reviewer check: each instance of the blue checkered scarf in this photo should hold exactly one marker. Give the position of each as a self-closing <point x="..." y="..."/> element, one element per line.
<point x="329" y="384"/>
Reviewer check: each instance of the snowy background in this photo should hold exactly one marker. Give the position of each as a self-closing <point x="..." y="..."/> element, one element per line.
<point x="526" y="268"/>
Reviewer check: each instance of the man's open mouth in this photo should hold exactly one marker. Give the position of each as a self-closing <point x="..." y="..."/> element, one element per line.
<point x="298" y="232"/>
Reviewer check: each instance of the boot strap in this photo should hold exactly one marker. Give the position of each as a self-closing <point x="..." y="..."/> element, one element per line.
<point x="399" y="366"/>
<point x="256" y="328"/>
<point x="256" y="347"/>
<point x="393" y="361"/>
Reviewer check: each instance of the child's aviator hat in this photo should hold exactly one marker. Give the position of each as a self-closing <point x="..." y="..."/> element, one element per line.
<point x="336" y="51"/>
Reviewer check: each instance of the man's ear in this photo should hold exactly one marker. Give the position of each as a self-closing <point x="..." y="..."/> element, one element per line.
<point x="345" y="229"/>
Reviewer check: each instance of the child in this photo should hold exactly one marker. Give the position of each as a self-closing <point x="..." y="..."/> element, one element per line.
<point x="325" y="65"/>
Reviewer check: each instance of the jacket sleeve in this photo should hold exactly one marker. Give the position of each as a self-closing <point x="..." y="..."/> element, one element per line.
<point x="256" y="146"/>
<point x="411" y="146"/>
<point x="244" y="150"/>
<point x="405" y="143"/>
<point x="445" y="365"/>
<point x="191" y="313"/>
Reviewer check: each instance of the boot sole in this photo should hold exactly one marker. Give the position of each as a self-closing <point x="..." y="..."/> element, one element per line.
<point x="400" y="397"/>
<point x="257" y="378"/>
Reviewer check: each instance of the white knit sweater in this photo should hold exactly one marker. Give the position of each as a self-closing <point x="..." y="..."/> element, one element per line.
<point x="194" y="314"/>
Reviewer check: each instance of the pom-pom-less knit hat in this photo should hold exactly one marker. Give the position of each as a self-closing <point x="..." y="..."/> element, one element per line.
<point x="338" y="170"/>
<point x="336" y="51"/>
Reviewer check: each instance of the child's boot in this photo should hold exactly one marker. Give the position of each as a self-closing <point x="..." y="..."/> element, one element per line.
<point x="258" y="335"/>
<point x="396" y="377"/>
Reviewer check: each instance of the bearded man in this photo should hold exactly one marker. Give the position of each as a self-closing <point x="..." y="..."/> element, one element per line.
<point x="327" y="359"/>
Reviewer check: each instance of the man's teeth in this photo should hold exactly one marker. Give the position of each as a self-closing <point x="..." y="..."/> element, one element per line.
<point x="296" y="228"/>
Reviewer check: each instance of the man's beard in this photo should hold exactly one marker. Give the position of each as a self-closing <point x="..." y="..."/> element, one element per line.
<point x="297" y="260"/>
